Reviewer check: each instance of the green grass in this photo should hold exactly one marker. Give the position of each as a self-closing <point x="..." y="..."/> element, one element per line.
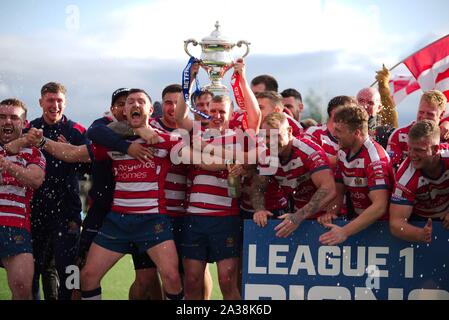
<point x="116" y="283"/>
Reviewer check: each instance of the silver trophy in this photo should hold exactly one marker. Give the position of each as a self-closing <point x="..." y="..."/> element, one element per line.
<point x="216" y="58"/>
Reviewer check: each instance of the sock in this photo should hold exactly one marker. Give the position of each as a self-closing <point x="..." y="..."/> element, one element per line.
<point x="179" y="296"/>
<point x="91" y="295"/>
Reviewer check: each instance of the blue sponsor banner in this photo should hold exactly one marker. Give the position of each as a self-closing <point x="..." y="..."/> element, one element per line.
<point x="370" y="265"/>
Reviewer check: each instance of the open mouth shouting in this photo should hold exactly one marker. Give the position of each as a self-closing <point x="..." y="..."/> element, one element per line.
<point x="136" y="117"/>
<point x="8" y="133"/>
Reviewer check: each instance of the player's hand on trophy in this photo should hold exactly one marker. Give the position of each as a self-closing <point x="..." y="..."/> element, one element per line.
<point x="194" y="70"/>
<point x="383" y="76"/>
<point x="239" y="67"/>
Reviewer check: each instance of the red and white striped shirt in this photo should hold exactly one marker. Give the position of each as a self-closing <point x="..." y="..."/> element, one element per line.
<point x="369" y="169"/>
<point x="14" y="197"/>
<point x="294" y="175"/>
<point x="139" y="188"/>
<point x="208" y="194"/>
<point x="176" y="182"/>
<point x="322" y="136"/>
<point x="429" y="197"/>
<point x="397" y="147"/>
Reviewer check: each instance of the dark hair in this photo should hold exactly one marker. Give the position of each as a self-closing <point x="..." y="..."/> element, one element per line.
<point x="198" y="94"/>
<point x="291" y="93"/>
<point x="269" y="81"/>
<point x="15" y="103"/>
<point x="52" y="87"/>
<point x="131" y="91"/>
<point x="337" y="101"/>
<point x="172" y="88"/>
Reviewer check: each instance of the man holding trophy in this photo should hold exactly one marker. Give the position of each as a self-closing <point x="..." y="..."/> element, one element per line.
<point x="212" y="225"/>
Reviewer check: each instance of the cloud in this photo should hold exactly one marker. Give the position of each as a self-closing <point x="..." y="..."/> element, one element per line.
<point x="158" y="29"/>
<point x="329" y="46"/>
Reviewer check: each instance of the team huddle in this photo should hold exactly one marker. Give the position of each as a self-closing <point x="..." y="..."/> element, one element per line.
<point x="173" y="191"/>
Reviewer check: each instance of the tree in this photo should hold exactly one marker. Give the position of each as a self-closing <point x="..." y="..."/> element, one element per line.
<point x="314" y="105"/>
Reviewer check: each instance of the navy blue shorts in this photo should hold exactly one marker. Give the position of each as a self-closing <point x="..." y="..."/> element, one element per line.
<point x="133" y="233"/>
<point x="211" y="239"/>
<point x="14" y="241"/>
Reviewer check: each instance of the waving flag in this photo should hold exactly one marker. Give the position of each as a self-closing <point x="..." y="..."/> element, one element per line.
<point x="430" y="66"/>
<point x="401" y="86"/>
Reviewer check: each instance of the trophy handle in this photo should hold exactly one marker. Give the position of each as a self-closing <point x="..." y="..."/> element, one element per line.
<point x="246" y="43"/>
<point x="186" y="44"/>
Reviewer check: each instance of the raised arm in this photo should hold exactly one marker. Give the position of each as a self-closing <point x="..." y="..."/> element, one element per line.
<point x="182" y="111"/>
<point x="253" y="112"/>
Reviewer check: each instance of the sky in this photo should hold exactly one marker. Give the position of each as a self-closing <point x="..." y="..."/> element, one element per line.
<point x="95" y="47"/>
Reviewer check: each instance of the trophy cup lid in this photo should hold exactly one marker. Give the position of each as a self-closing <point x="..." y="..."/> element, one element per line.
<point x="216" y="37"/>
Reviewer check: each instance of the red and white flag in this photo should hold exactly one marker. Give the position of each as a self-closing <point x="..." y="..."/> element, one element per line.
<point x="401" y="86"/>
<point x="430" y="66"/>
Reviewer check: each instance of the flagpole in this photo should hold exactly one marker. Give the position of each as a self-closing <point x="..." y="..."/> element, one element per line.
<point x="412" y="55"/>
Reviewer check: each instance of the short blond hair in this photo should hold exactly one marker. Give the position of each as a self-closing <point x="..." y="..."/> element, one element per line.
<point x="436" y="98"/>
<point x="276" y="120"/>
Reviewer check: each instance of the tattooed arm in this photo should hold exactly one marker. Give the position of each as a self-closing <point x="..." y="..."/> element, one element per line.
<point x="325" y="183"/>
<point x="257" y="195"/>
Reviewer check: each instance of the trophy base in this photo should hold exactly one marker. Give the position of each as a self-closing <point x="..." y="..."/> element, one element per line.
<point x="217" y="90"/>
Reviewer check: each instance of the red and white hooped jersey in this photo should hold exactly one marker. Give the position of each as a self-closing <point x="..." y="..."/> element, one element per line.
<point x="297" y="129"/>
<point x="294" y="175"/>
<point x="321" y="136"/>
<point x="429" y="197"/>
<point x="14" y="197"/>
<point x="176" y="182"/>
<point x="139" y="188"/>
<point x="369" y="169"/>
<point x="397" y="147"/>
<point x="208" y="194"/>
